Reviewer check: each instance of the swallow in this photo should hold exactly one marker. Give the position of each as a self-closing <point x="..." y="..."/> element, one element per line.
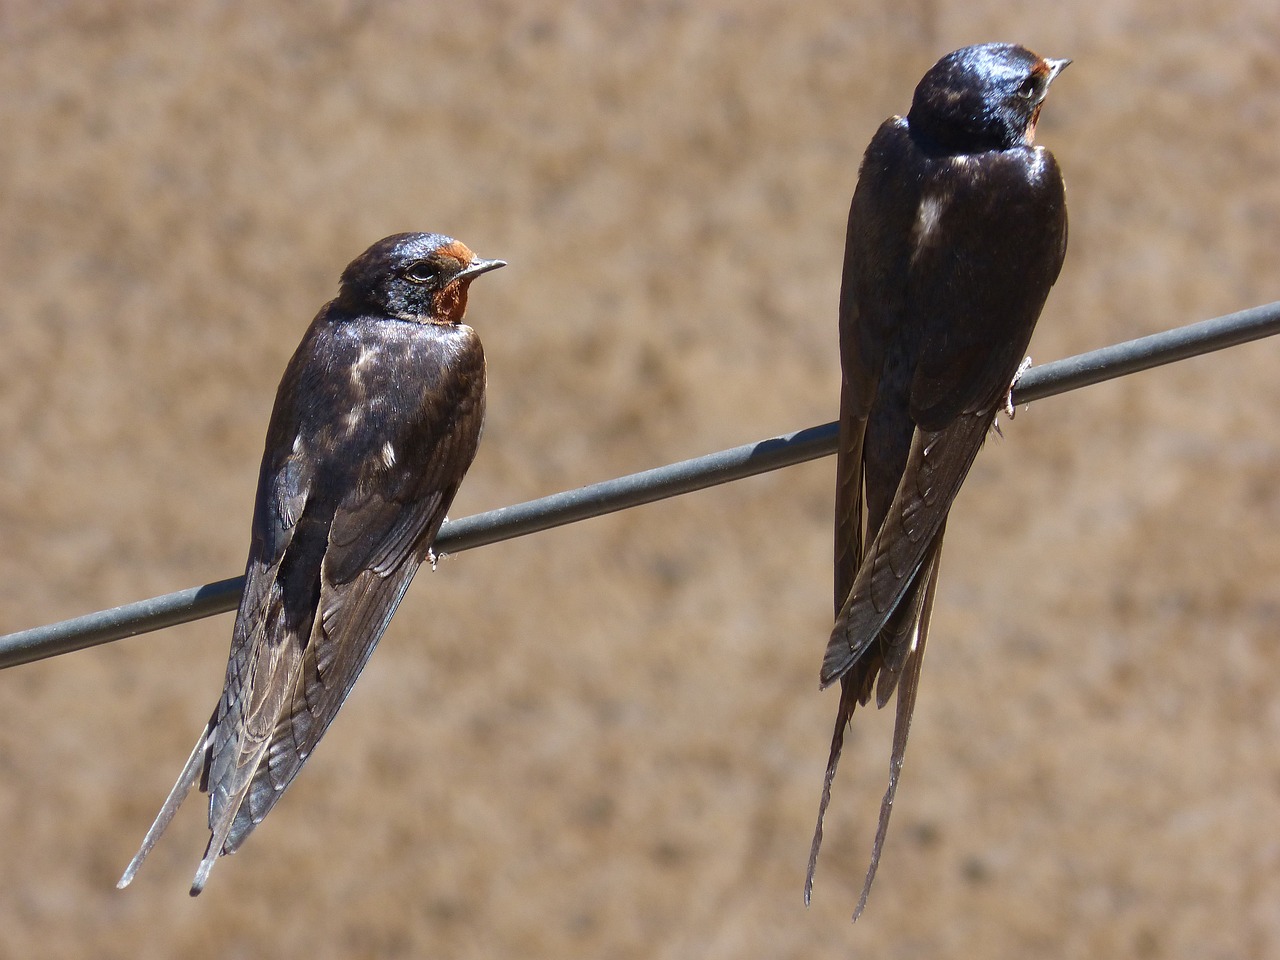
<point x="957" y="230"/>
<point x="376" y="420"/>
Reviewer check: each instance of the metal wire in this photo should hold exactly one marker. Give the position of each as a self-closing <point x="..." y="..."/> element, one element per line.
<point x="621" y="493"/>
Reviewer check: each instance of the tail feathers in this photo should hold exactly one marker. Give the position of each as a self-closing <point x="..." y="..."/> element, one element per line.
<point x="908" y="686"/>
<point x="219" y="829"/>
<point x="212" y="852"/>
<point x="186" y="780"/>
<point x="847" y="703"/>
<point x="225" y="810"/>
<point x="898" y="660"/>
<point x="203" y="871"/>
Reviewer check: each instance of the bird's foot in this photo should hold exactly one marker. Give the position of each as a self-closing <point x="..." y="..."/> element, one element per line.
<point x="1009" y="409"/>
<point x="432" y="557"/>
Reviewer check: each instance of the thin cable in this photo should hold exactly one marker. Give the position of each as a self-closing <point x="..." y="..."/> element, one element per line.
<point x="570" y="506"/>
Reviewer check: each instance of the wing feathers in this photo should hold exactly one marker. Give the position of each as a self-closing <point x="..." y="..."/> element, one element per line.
<point x="351" y="496"/>
<point x="941" y="460"/>
<point x="352" y="619"/>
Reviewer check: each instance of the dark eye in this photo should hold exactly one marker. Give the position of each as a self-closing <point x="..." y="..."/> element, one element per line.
<point x="421" y="271"/>
<point x="1029" y="89"/>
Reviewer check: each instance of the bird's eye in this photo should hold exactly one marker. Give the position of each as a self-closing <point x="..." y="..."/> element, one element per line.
<point x="1029" y="89"/>
<point x="421" y="271"/>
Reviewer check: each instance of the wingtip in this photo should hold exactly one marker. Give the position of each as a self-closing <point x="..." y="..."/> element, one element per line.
<point x="849" y="640"/>
<point x="836" y="661"/>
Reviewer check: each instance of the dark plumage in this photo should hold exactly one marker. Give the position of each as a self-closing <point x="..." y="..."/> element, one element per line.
<point x="957" y="231"/>
<point x="376" y="420"/>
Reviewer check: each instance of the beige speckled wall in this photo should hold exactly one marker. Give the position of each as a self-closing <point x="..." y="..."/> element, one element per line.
<point x="607" y="740"/>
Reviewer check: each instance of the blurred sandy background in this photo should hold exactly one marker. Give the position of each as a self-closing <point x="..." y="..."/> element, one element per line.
<point x="607" y="741"/>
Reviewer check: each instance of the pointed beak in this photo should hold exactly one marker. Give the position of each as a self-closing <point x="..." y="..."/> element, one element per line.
<point x="1057" y="66"/>
<point x="477" y="267"/>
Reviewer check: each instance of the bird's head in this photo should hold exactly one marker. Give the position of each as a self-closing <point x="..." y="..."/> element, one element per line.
<point x="421" y="277"/>
<point x="986" y="97"/>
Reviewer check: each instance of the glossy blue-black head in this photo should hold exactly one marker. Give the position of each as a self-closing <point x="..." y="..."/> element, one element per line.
<point x="986" y="97"/>
<point x="413" y="276"/>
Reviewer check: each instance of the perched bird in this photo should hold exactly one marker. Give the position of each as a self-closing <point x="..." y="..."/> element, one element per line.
<point x="376" y="420"/>
<point x="957" y="230"/>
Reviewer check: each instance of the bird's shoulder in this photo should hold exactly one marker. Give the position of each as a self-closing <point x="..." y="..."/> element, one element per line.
<point x="905" y="188"/>
<point x="996" y="184"/>
<point x="877" y="257"/>
<point x="891" y="175"/>
<point x="354" y="374"/>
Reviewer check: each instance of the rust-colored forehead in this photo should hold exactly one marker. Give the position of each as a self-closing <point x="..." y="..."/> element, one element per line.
<point x="458" y="250"/>
<point x="1041" y="69"/>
